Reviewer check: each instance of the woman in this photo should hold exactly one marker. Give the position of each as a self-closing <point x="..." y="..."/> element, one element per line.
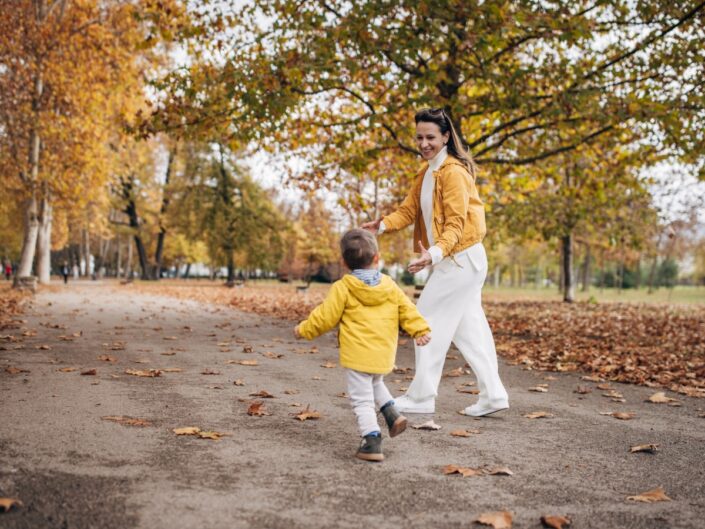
<point x="449" y="220"/>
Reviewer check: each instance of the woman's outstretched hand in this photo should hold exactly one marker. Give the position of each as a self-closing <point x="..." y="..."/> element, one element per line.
<point x="372" y="226"/>
<point x="422" y="262"/>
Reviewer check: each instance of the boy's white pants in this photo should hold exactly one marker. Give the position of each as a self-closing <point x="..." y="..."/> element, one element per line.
<point x="367" y="390"/>
<point x="451" y="303"/>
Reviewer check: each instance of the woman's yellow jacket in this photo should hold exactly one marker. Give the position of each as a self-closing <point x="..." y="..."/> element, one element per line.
<point x="369" y="319"/>
<point x="458" y="212"/>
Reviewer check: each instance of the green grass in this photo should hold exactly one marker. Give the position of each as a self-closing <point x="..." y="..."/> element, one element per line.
<point x="689" y="295"/>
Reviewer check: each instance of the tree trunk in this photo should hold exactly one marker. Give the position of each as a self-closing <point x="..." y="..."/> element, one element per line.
<point x="586" y="268"/>
<point x="29" y="242"/>
<point x="162" y="226"/>
<point x="44" y="243"/>
<point x="568" y="286"/>
<point x="128" y="265"/>
<point x="497" y="275"/>
<point x="131" y="211"/>
<point x="188" y="271"/>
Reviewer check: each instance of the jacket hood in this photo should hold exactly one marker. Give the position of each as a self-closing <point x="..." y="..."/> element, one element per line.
<point x="366" y="294"/>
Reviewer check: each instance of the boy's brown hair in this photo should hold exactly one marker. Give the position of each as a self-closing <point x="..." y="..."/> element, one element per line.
<point x="359" y="248"/>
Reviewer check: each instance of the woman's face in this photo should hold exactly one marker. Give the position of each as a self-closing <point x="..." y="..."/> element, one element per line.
<point x="429" y="139"/>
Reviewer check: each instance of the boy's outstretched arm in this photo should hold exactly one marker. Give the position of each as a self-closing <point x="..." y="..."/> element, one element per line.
<point x="325" y="316"/>
<point x="411" y="320"/>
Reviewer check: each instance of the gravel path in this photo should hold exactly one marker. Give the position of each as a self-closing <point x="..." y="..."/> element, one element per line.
<point x="72" y="469"/>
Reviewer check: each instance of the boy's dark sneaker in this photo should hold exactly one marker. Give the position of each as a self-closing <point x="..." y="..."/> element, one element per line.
<point x="396" y="422"/>
<point x="370" y="448"/>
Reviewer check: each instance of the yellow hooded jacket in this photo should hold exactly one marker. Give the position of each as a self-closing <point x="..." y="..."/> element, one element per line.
<point x="369" y="319"/>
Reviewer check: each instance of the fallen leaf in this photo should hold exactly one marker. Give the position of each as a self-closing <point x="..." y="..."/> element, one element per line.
<point x="171" y="370"/>
<point x="582" y="390"/>
<point x="149" y="373"/>
<point x="263" y="395"/>
<point x="187" y="430"/>
<point x="613" y="394"/>
<point x="651" y="448"/>
<point x="239" y="382"/>
<point x="539" y="415"/>
<point x="329" y="365"/>
<point x="496" y="520"/>
<point x="604" y="386"/>
<point x="215" y="436"/>
<point x="115" y="346"/>
<point x="127" y="421"/>
<point x="257" y="409"/>
<point x="458" y="372"/>
<point x="107" y="358"/>
<point x="463" y="433"/>
<point x="307" y="414"/>
<point x="168" y="353"/>
<point x="210" y="372"/>
<point x="651" y="496"/>
<point x="8" y="503"/>
<point x="44" y="347"/>
<point x="67" y="369"/>
<point x="621" y="415"/>
<point x="247" y="349"/>
<point x="555" y="521"/>
<point x="402" y="370"/>
<point x="291" y="392"/>
<point x="247" y="362"/>
<point x="15" y="370"/>
<point x="463" y="471"/>
<point x="499" y="471"/>
<point x="468" y="391"/>
<point x="660" y="398"/>
<point x="539" y="389"/>
<point x="342" y="395"/>
<point x="428" y="425"/>
<point x="270" y="354"/>
<point x="89" y="372"/>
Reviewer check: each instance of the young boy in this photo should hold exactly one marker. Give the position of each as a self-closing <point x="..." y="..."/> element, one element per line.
<point x="369" y="307"/>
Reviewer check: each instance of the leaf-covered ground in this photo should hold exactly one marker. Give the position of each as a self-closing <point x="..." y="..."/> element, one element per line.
<point x="11" y="304"/>
<point x="653" y="345"/>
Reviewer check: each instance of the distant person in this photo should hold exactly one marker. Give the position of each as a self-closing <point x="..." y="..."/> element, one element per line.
<point x="65" y="271"/>
<point x="369" y="307"/>
<point x="8" y="270"/>
<point x="449" y="225"/>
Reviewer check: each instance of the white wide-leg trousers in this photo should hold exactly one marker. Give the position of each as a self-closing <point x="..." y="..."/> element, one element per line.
<point x="366" y="390"/>
<point x="451" y="303"/>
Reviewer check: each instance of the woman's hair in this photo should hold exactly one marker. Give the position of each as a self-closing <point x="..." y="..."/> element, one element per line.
<point x="455" y="146"/>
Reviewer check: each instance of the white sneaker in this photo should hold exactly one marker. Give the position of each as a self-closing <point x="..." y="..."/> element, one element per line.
<point x="486" y="408"/>
<point x="404" y="404"/>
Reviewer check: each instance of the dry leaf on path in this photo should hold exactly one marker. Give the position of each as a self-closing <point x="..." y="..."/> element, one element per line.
<point x="89" y="372"/>
<point x="15" y="370"/>
<point x="107" y="358"/>
<point x="307" y="414"/>
<point x="463" y="471"/>
<point x="187" y="430"/>
<point x="539" y="415"/>
<point x="291" y="392"/>
<point x="257" y="409"/>
<point x="468" y="391"/>
<point x="67" y="369"/>
<point x="172" y="370"/>
<point x="458" y="372"/>
<point x="650" y="448"/>
<point x="148" y="373"/>
<point x="247" y="362"/>
<point x="127" y="421"/>
<point x="329" y="365"/>
<point x="8" y="503"/>
<point x="428" y="425"/>
<point x="247" y="349"/>
<point x="613" y="394"/>
<point x="496" y="520"/>
<point x="215" y="436"/>
<point x="168" y="353"/>
<point x="499" y="471"/>
<point x="660" y="398"/>
<point x="651" y="496"/>
<point x="464" y="433"/>
<point x="44" y="347"/>
<point x="539" y="389"/>
<point x="555" y="521"/>
<point x="582" y="390"/>
<point x="270" y="354"/>
<point x="238" y="382"/>
<point x="621" y="415"/>
<point x="263" y="395"/>
<point x="210" y="372"/>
